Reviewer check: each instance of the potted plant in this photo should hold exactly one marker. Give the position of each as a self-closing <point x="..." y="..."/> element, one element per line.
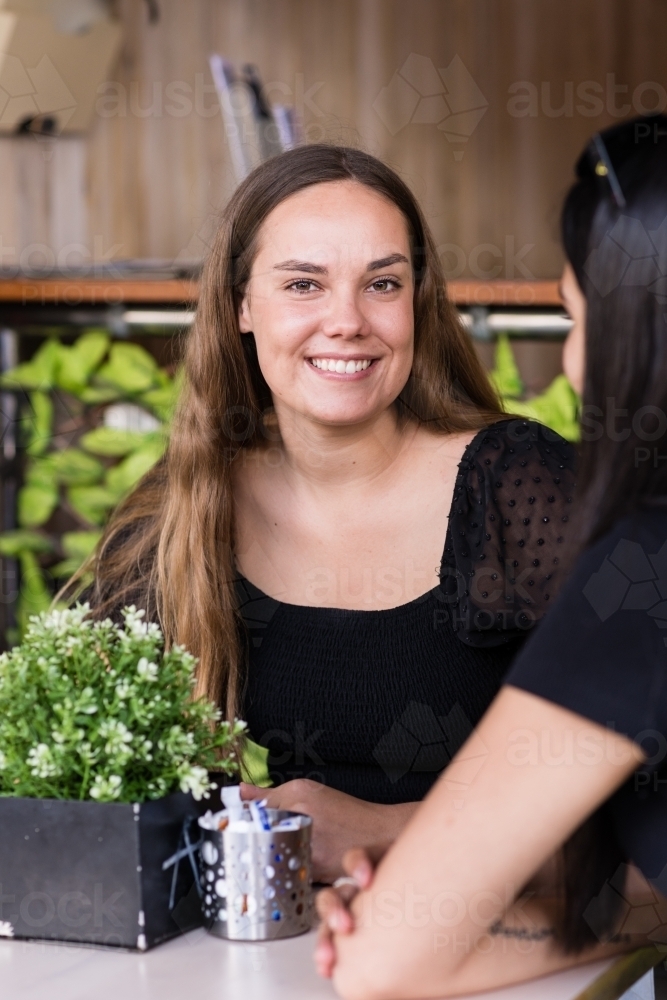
<point x="104" y="756"/>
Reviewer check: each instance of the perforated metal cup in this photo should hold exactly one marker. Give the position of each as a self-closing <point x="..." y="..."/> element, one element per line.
<point x="257" y="883"/>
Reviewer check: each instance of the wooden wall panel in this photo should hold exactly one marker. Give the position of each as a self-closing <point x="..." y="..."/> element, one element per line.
<point x="154" y="171"/>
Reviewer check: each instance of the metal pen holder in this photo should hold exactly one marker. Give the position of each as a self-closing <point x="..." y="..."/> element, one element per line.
<point x="257" y="883"/>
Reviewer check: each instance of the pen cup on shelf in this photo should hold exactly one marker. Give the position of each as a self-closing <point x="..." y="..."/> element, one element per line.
<point x="256" y="873"/>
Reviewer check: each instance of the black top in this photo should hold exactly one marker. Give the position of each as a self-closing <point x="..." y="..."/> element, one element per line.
<point x="602" y="655"/>
<point x="375" y="703"/>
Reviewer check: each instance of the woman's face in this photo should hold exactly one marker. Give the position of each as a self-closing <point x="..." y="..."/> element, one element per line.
<point x="574" y="348"/>
<point x="330" y="302"/>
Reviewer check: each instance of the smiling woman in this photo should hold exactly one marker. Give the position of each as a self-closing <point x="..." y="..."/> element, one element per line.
<point x="347" y="320"/>
<point x="346" y="530"/>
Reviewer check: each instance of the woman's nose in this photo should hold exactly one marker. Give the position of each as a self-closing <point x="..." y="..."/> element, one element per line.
<point x="345" y="317"/>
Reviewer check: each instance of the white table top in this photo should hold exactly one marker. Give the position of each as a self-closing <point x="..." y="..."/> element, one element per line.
<point x="199" y="966"/>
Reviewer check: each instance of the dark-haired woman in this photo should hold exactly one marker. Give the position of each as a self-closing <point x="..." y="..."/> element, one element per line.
<point x="346" y="531"/>
<point x="575" y="744"/>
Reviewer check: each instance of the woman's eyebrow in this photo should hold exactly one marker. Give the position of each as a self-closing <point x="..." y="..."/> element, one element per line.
<point x="300" y="265"/>
<point x="308" y="268"/>
<point x="394" y="258"/>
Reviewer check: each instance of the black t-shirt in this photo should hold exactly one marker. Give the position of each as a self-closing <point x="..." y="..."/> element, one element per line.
<point x="375" y="703"/>
<point x="602" y="653"/>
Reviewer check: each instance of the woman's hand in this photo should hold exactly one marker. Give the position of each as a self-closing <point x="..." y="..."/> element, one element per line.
<point x="340" y="821"/>
<point x="333" y="904"/>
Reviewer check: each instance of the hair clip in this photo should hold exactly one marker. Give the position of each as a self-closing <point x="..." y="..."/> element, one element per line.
<point x="604" y="168"/>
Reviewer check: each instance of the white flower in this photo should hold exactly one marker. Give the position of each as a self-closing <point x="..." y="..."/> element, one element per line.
<point x="106" y="788"/>
<point x="123" y="690"/>
<point x="118" y="737"/>
<point x="134" y="627"/>
<point x="144" y="750"/>
<point x="73" y="641"/>
<point x="41" y="762"/>
<point x="147" y="671"/>
<point x="60" y="622"/>
<point x="178" y="743"/>
<point x="87" y="753"/>
<point x="194" y="779"/>
<point x="87" y="703"/>
<point x="157" y="788"/>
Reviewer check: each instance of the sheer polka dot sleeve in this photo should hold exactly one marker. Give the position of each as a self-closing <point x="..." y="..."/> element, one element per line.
<point x="509" y="520"/>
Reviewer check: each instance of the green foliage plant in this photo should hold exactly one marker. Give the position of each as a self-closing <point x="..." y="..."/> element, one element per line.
<point x="557" y="407"/>
<point x="85" y="472"/>
<point x="505" y="376"/>
<point x="97" y="710"/>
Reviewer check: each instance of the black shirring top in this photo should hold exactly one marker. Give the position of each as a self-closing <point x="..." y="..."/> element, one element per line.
<point x="375" y="703"/>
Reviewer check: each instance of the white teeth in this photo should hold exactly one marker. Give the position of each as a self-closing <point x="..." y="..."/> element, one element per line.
<point x="340" y="366"/>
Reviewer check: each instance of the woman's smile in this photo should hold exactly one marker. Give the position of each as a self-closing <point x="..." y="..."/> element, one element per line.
<point x="345" y="367"/>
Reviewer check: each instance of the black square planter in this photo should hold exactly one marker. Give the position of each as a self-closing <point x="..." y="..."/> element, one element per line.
<point x="92" y="872"/>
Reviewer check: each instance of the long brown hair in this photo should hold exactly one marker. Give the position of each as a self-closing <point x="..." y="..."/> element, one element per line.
<point x="169" y="547"/>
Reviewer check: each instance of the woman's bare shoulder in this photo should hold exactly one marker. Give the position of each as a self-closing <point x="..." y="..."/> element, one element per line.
<point x="445" y="447"/>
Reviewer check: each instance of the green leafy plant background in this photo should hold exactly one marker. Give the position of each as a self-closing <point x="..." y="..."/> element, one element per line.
<point x="557" y="407"/>
<point x="73" y="464"/>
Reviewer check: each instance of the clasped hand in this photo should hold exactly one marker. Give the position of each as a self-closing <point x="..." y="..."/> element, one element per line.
<point x="333" y="905"/>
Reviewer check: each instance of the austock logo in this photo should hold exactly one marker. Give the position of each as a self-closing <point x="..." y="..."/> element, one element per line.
<point x="630" y="580"/>
<point x="629" y="255"/>
<point x="420" y="94"/>
<point x="646" y="916"/>
<point x="420" y="741"/>
<point x="30" y="93"/>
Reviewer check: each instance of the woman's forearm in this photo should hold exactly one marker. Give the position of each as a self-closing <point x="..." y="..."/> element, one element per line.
<point x="517" y="947"/>
<point x="391" y="821"/>
<point x="467" y="853"/>
<point x="370" y="825"/>
<point x="523" y="945"/>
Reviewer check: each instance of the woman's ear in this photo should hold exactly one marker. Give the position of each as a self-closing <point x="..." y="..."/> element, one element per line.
<point x="245" y="324"/>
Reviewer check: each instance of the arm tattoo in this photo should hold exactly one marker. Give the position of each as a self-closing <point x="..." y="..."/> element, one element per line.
<point x="499" y="929"/>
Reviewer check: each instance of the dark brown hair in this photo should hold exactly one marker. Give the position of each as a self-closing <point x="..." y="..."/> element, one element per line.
<point x="619" y="255"/>
<point x="618" y="252"/>
<point x="169" y="546"/>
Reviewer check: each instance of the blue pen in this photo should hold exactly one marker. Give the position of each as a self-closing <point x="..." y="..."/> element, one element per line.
<point x="260" y="815"/>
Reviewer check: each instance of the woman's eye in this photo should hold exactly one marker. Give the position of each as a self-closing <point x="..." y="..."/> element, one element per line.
<point x="385" y="285"/>
<point x="302" y="285"/>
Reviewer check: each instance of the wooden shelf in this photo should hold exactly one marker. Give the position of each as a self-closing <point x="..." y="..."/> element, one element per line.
<point x="100" y="292"/>
<point x="525" y="294"/>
